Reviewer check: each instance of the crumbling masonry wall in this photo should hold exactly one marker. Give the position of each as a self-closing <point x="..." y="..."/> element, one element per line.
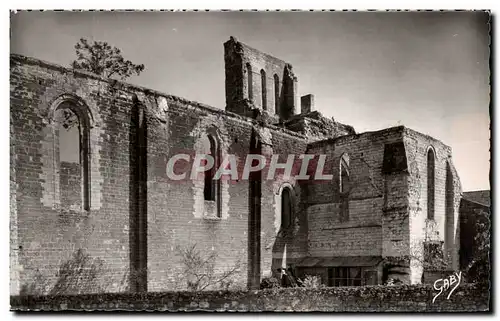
<point x="177" y="215"/>
<point x="387" y="202"/>
<point x="139" y="221"/>
<point x="48" y="233"/>
<point x="413" y="298"/>
<point x="246" y="68"/>
<point x="124" y="210"/>
<point x="444" y="228"/>
<point x="373" y="196"/>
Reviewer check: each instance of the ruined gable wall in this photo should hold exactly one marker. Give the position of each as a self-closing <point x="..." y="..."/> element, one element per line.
<point x="260" y="61"/>
<point x="445" y="225"/>
<point x="237" y="56"/>
<point x="372" y="193"/>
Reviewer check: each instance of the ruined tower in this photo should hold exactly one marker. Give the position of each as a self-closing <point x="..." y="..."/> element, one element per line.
<point x="258" y="81"/>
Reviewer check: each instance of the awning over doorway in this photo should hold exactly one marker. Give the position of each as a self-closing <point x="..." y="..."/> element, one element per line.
<point x="339" y="261"/>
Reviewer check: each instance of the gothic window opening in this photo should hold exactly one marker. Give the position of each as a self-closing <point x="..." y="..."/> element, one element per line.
<point x="286" y="208"/>
<point x="276" y="93"/>
<point x="430" y="184"/>
<point x="72" y="157"/>
<point x="344" y="174"/>
<point x="449" y="210"/>
<point x="211" y="188"/>
<point x="250" y="82"/>
<point x="344" y="187"/>
<point x="264" y="89"/>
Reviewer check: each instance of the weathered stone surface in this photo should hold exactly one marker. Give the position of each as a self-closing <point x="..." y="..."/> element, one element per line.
<point x="466" y="298"/>
<point x="138" y="218"/>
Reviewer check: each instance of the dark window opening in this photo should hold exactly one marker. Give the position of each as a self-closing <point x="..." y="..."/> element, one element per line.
<point x="210" y="183"/>
<point x="276" y="93"/>
<point x="344" y="188"/>
<point x="250" y="82"/>
<point x="345" y="276"/>
<point x="430" y="184"/>
<point x="264" y="89"/>
<point x="286" y="208"/>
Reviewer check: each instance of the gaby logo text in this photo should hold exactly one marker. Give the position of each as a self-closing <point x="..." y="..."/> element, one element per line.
<point x="450" y="282"/>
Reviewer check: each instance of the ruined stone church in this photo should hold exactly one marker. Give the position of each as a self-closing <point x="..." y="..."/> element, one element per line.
<point x="88" y="172"/>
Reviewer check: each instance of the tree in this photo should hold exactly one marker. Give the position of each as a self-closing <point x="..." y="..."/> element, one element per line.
<point x="102" y="59"/>
<point x="478" y="269"/>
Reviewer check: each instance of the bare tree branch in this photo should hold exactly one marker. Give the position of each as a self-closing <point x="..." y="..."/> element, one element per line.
<point x="199" y="269"/>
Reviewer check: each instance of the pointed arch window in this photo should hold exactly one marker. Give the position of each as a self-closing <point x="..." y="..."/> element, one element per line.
<point x="276" y="93"/>
<point x="211" y="190"/>
<point x="264" y="88"/>
<point x="249" y="82"/>
<point x="344" y="187"/>
<point x="286" y="208"/>
<point x="430" y="183"/>
<point x="344" y="173"/>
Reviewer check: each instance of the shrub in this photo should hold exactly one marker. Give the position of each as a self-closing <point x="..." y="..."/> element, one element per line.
<point x="269" y="283"/>
<point x="200" y="273"/>
<point x="311" y="281"/>
<point x="78" y="275"/>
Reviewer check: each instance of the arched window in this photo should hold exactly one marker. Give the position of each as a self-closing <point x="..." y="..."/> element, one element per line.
<point x="264" y="89"/>
<point x="344" y="173"/>
<point x="449" y="221"/>
<point x="71" y="142"/>
<point x="250" y="82"/>
<point x="286" y="207"/>
<point x="211" y="189"/>
<point x="344" y="187"/>
<point x="430" y="183"/>
<point x="276" y="94"/>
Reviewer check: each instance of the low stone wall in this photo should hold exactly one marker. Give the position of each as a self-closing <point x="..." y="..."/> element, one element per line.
<point x="466" y="297"/>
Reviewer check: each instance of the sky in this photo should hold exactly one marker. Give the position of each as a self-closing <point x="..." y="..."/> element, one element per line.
<point x="428" y="71"/>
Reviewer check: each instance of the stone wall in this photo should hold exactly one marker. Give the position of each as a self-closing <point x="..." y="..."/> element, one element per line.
<point x="139" y="221"/>
<point x="363" y="230"/>
<point x="317" y="127"/>
<point x="444" y="227"/>
<point x="177" y="214"/>
<point x="47" y="233"/>
<point x="244" y="86"/>
<point x="124" y="209"/>
<point x="466" y="298"/>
